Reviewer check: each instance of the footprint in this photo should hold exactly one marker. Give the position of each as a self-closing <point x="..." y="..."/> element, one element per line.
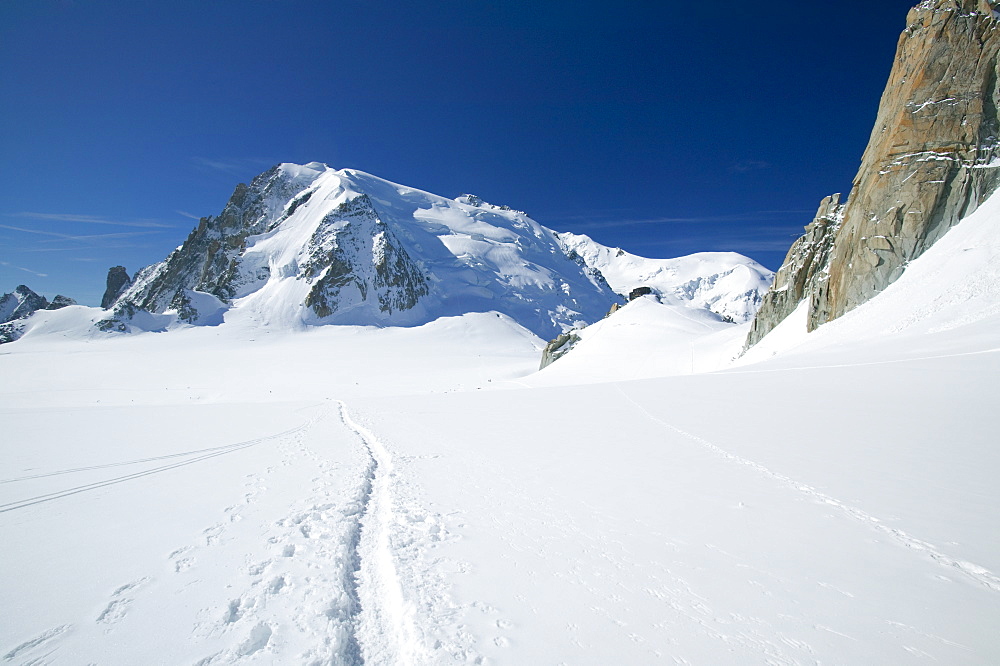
<point x="212" y="534"/>
<point x="183" y="564"/>
<point x="233" y="612"/>
<point x="259" y="637"/>
<point x="117" y="608"/>
<point x="258" y="568"/>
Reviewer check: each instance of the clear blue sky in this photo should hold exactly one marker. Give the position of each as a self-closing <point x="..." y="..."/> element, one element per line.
<point x="661" y="127"/>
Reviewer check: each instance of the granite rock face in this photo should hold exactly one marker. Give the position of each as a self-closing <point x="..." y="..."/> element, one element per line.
<point x="345" y="271"/>
<point x="932" y="159"/>
<point x="561" y="345"/>
<point x="806" y="267"/>
<point x="118" y="281"/>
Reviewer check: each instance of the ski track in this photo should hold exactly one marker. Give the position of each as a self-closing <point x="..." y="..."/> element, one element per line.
<point x="330" y="585"/>
<point x="384" y="627"/>
<point x="318" y="584"/>
<point x="977" y="573"/>
<point x="208" y="453"/>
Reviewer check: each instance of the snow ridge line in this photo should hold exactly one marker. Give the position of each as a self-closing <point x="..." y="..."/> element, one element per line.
<point x="384" y="626"/>
<point x="979" y="574"/>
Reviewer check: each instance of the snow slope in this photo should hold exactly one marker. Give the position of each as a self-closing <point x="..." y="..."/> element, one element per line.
<point x="729" y="284"/>
<point x="646" y="338"/>
<point x="346" y="495"/>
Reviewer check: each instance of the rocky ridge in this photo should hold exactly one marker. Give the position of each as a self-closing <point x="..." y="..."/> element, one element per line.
<point x="932" y="159"/>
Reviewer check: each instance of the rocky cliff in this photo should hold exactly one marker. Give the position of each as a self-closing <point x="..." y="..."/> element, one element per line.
<point x="931" y="160"/>
<point x="806" y="265"/>
<point x="118" y="281"/>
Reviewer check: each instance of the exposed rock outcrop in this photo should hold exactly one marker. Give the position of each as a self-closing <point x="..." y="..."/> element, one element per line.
<point x="209" y="260"/>
<point x="558" y="348"/>
<point x="805" y="267"/>
<point x="639" y="291"/>
<point x="932" y="159"/>
<point x="344" y="268"/>
<point x="118" y="282"/>
<point x="59" y="302"/>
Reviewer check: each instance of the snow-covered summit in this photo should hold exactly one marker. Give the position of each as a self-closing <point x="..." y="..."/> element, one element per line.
<point x="727" y="283"/>
<point x="308" y="244"/>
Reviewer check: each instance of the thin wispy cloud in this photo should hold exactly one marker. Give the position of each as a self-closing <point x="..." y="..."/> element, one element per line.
<point x="235" y="167"/>
<point x="751" y="216"/>
<point x="91" y="219"/>
<point x="38" y="232"/>
<point x="760" y="239"/>
<point x="183" y="213"/>
<point x="78" y="237"/>
<point x="22" y="268"/>
<point x="123" y="234"/>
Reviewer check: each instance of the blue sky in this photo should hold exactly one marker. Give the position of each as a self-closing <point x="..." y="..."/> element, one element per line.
<point x="661" y="127"/>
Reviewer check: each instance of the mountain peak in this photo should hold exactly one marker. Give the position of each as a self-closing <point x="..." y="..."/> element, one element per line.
<point x="307" y="244"/>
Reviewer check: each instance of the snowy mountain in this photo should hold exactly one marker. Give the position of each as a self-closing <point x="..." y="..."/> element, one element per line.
<point x="20" y="304"/>
<point x="313" y="245"/>
<point x="419" y="495"/>
<point x="729" y="284"/>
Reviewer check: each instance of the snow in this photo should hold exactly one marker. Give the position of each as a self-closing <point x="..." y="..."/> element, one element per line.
<point x="476" y="258"/>
<point x="473" y="257"/>
<point x="238" y="494"/>
<point x="727" y="283"/>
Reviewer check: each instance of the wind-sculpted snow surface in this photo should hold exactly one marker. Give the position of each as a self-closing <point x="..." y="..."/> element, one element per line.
<point x="310" y="244"/>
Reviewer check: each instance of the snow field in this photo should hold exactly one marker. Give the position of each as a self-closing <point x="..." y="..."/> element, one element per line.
<point x="356" y="495"/>
<point x="612" y="523"/>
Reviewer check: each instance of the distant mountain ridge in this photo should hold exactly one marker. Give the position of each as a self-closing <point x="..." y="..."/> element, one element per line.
<point x="309" y="244"/>
<point x="726" y="283"/>
<point x="21" y="304"/>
